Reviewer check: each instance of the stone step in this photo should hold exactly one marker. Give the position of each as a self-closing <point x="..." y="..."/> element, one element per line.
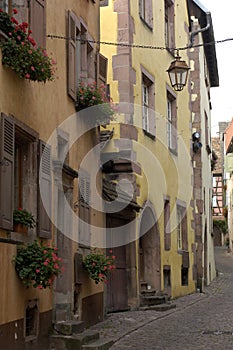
<point x="148" y="292"/>
<point x="161" y="307"/>
<point x="69" y="327"/>
<point x="72" y="342"/>
<point x="152" y="300"/>
<point x="100" y="344"/>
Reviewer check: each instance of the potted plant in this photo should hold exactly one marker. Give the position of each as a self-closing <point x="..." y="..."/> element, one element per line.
<point x="19" y="51"/>
<point x="37" y="265"/>
<point x="89" y="95"/>
<point x="22" y="220"/>
<point x="98" y="265"/>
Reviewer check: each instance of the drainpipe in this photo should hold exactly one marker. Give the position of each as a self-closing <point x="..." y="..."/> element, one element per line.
<point x="201" y="30"/>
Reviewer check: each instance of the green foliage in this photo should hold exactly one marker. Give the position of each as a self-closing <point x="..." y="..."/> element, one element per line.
<point x="98" y="265"/>
<point x="89" y="95"/>
<point x="37" y="265"/>
<point x="22" y="216"/>
<point x="19" y="51"/>
<point x="222" y="225"/>
<point x="6" y="25"/>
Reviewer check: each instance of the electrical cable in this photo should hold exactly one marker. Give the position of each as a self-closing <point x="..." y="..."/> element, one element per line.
<point x="151" y="47"/>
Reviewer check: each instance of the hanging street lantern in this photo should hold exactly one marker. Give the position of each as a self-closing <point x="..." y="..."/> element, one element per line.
<point x="178" y="73"/>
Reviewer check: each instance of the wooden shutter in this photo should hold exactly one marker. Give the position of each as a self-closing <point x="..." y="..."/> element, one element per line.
<point x="71" y="55"/>
<point x="167" y="233"/>
<point x="84" y="209"/>
<point x="38" y="21"/>
<point x="44" y="223"/>
<point x="103" y="68"/>
<point x="171" y="20"/>
<point x="7" y="146"/>
<point x="141" y="4"/>
<point x="149" y="13"/>
<point x="184" y="231"/>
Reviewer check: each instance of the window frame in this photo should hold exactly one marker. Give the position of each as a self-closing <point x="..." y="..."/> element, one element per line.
<point x="182" y="226"/>
<point x="146" y="13"/>
<point x="6" y="6"/>
<point x="81" y="55"/>
<point x="32" y="304"/>
<point x="169" y="24"/>
<point x="30" y="138"/>
<point x="145" y="106"/>
<point x="171" y="112"/>
<point x="29" y="13"/>
<point x="167" y="228"/>
<point x="148" y="103"/>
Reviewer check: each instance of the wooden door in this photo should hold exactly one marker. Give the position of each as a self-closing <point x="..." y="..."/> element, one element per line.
<point x="117" y="291"/>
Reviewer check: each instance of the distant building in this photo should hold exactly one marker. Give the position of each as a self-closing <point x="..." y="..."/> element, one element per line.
<point x="228" y="173"/>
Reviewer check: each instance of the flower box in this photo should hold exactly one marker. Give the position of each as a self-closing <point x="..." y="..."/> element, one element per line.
<point x="20" y="228"/>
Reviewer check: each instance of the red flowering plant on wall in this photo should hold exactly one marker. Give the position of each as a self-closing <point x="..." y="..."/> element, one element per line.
<point x="20" y="53"/>
<point x="91" y="94"/>
<point x="99" y="265"/>
<point x="37" y="265"/>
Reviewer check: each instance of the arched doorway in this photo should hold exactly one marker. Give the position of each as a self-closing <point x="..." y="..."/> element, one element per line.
<point x="149" y="250"/>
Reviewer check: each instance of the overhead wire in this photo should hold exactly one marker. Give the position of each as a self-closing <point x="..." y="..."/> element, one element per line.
<point x="139" y="46"/>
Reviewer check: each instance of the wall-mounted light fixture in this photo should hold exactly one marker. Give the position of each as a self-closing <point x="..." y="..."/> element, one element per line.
<point x="196" y="142"/>
<point x="178" y="73"/>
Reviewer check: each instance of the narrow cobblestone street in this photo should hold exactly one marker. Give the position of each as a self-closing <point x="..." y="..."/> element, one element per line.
<point x="199" y="321"/>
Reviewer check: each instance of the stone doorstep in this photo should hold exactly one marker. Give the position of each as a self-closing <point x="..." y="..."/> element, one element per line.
<point x="161" y="307"/>
<point x="152" y="300"/>
<point x="148" y="292"/>
<point x="72" y="342"/>
<point x="100" y="344"/>
<point x="69" y="327"/>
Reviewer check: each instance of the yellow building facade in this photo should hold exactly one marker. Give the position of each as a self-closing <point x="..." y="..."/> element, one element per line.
<point x="32" y="114"/>
<point x="155" y="134"/>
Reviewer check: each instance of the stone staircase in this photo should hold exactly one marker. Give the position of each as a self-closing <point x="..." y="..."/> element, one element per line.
<point x="71" y="335"/>
<point x="150" y="299"/>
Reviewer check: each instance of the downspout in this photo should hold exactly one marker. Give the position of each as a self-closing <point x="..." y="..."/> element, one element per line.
<point x="201" y="30"/>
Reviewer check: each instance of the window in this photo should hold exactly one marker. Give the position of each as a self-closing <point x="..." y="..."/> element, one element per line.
<point x="34" y="13"/>
<point x="19" y="174"/>
<point x="171" y="122"/>
<point x="81" y="55"/>
<point x="169" y="24"/>
<point x="207" y="135"/>
<point x="167" y="233"/>
<point x="103" y="3"/>
<point x="37" y="21"/>
<point x="5" y="5"/>
<point x="184" y="276"/>
<point x="84" y="208"/>
<point x="215" y="204"/>
<point x="148" y="113"/>
<point x="179" y="228"/>
<point x="74" y="54"/>
<point x="145" y="101"/>
<point x="63" y="146"/>
<point x="182" y="238"/>
<point x="31" y="321"/>
<point x="145" y="12"/>
<point x="167" y="277"/>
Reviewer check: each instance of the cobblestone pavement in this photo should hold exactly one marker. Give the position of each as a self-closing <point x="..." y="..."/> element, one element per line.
<point x="199" y="321"/>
